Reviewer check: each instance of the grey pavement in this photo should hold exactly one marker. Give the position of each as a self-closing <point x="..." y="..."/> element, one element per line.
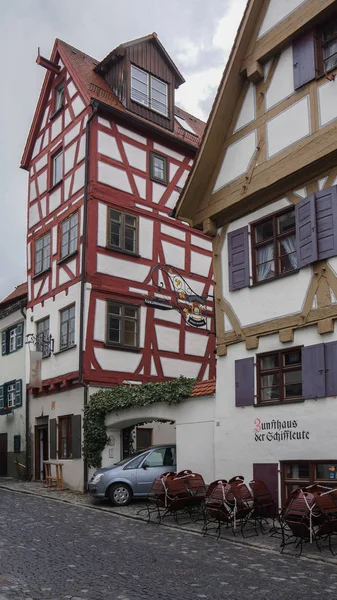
<point x="51" y="550"/>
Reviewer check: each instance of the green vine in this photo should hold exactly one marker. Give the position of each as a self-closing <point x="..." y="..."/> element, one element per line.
<point x="121" y="397"/>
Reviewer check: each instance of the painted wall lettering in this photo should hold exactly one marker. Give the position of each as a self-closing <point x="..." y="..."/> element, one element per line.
<point x="278" y="431"/>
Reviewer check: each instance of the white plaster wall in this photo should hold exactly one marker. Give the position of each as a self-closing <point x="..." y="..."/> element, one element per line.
<point x="272" y="299"/>
<point x="69" y="157"/>
<point x="114" y="177"/>
<point x="78" y="179"/>
<point x="248" y="110"/>
<point x="33" y="215"/>
<point x="66" y="403"/>
<point x="100" y="321"/>
<point x="174" y="255"/>
<point x="56" y="128"/>
<point x="55" y="200"/>
<point x="315" y="416"/>
<point x="132" y="134"/>
<point x="41" y="163"/>
<point x="288" y="127"/>
<point x="146" y="238"/>
<point x="173" y="232"/>
<point x="195" y="343"/>
<point x="174" y="367"/>
<point x="136" y="157"/>
<point x="117" y="360"/>
<point x="168" y="151"/>
<point x="277" y="11"/>
<point x="141" y="186"/>
<point x="327" y="102"/>
<point x="236" y="160"/>
<point x="70" y="136"/>
<point x="78" y="105"/>
<point x="107" y="145"/>
<point x="282" y="83"/>
<point x="102" y="224"/>
<point x="201" y="242"/>
<point x="121" y="268"/>
<point x="66" y="361"/>
<point x="42" y="182"/>
<point x="162" y="433"/>
<point x="167" y="338"/>
<point x="200" y="263"/>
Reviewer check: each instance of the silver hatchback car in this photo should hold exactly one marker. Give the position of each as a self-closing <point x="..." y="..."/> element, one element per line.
<point x="132" y="477"/>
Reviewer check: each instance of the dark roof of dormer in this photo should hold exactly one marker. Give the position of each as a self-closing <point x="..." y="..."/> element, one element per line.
<point x="119" y="52"/>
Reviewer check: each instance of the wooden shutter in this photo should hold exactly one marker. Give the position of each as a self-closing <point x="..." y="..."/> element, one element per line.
<point x="306" y="235"/>
<point x="18" y="392"/>
<point x="52" y="435"/>
<point x="238" y="259"/>
<point x="244" y="382"/>
<point x="4" y="343"/>
<point x="304" y="59"/>
<point x="331" y="368"/>
<point x="313" y="371"/>
<point x="19" y="336"/>
<point x="2" y="396"/>
<point x="326" y="222"/>
<point x="76" y="436"/>
<point x="268" y="473"/>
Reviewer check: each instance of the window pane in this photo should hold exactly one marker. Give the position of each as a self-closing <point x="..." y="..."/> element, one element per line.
<point x="292" y="358"/>
<point x="114" y="310"/>
<point x="130" y="333"/>
<point x="286" y="222"/>
<point x="293" y="376"/>
<point x="59" y="97"/>
<point x="158" y="167"/>
<point x="114" y="330"/>
<point x="156" y="458"/>
<point x="264" y="230"/>
<point x="326" y="471"/>
<point x="297" y="471"/>
<point x="64" y="335"/>
<point x="130" y="312"/>
<point x="64" y="316"/>
<point x="265" y="262"/>
<point x="115" y="216"/>
<point x="270" y="394"/>
<point x="331" y="63"/>
<point x="156" y="84"/>
<point x="270" y="380"/>
<point x="288" y="253"/>
<point x="139" y="86"/>
<point x="115" y="234"/>
<point x="293" y="390"/>
<point x="65" y="226"/>
<point x="130" y="240"/>
<point x="39" y="244"/>
<point x="57" y="168"/>
<point x="72" y="311"/>
<point x="139" y="74"/>
<point x="130" y="221"/>
<point x="269" y="362"/>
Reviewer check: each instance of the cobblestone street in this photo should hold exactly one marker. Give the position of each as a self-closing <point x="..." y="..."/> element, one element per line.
<point x="50" y="550"/>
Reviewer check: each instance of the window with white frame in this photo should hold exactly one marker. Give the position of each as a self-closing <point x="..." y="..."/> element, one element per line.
<point x="12" y="339"/>
<point x="11" y="393"/>
<point x="149" y="91"/>
<point x="57" y="167"/>
<point x="42" y="254"/>
<point x="69" y="229"/>
<point x="67" y="332"/>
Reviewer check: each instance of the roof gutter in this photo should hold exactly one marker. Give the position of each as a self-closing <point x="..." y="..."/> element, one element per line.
<point x="133" y="120"/>
<point x="83" y="274"/>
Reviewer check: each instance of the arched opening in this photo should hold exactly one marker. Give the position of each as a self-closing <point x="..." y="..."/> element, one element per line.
<point x="144" y="434"/>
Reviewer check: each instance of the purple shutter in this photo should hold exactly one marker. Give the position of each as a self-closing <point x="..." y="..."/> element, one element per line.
<point x="306" y="237"/>
<point x="244" y="382"/>
<point x="268" y="473"/>
<point x="313" y="371"/>
<point x="304" y="59"/>
<point x="331" y="368"/>
<point x="326" y="222"/>
<point x="238" y="258"/>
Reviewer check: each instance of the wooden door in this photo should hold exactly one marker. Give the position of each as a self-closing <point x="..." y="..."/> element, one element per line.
<point x="268" y="472"/>
<point x="3" y="454"/>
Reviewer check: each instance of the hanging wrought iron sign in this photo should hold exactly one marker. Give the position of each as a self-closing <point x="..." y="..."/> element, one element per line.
<point x="182" y="298"/>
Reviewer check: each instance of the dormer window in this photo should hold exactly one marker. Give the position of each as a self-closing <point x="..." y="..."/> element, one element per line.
<point x="149" y="91"/>
<point x="59" y="97"/>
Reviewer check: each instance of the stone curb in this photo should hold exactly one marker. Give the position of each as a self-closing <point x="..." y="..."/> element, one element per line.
<point x="168" y="525"/>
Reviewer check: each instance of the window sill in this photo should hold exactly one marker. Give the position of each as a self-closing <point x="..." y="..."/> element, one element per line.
<point x="42" y="273"/>
<point x="279" y="402"/>
<point x="68" y="257"/>
<point x="56" y="113"/>
<point x="256" y="283"/>
<point x="55" y="186"/>
<point x="162" y="181"/>
<point x="65" y="350"/>
<point x="119" y="347"/>
<point x="120" y="251"/>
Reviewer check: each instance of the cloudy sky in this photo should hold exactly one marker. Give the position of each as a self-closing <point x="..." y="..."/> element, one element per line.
<point x="198" y="35"/>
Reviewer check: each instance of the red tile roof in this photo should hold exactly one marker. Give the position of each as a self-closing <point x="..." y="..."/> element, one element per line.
<point x="204" y="388"/>
<point x="19" y="292"/>
<point x="95" y="87"/>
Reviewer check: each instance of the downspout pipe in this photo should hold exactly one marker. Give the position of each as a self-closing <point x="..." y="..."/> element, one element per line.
<point x="83" y="274"/>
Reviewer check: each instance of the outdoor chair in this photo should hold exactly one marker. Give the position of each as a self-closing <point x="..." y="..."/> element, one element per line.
<point x="326" y="521"/>
<point x="216" y="509"/>
<point x="214" y="485"/>
<point x="299" y="518"/>
<point x="168" y="496"/>
<point x="264" y="504"/>
<point x="241" y="500"/>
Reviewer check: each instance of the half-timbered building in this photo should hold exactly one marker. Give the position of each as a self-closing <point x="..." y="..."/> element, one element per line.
<point x="108" y="153"/>
<point x="264" y="184"/>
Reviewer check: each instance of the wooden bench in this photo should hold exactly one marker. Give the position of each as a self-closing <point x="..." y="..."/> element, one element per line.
<point x="50" y="478"/>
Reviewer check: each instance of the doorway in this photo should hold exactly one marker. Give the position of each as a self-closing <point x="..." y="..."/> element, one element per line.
<point x="41" y="450"/>
<point x="3" y="454"/>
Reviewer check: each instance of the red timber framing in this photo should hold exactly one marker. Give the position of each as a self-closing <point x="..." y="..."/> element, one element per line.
<point x="172" y="242"/>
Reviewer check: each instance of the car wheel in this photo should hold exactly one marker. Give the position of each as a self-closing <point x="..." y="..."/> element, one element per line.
<point x="119" y="494"/>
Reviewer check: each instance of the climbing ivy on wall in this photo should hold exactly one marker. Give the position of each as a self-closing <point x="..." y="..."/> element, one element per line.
<point x="122" y="397"/>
